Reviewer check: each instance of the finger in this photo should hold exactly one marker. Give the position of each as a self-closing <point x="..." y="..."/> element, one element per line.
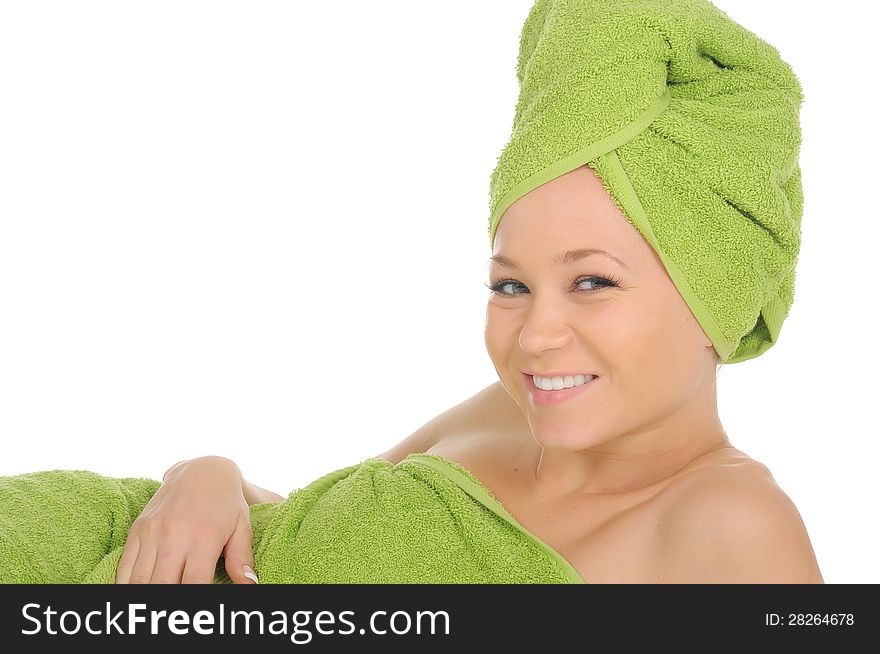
<point x="169" y="566"/>
<point x="239" y="553"/>
<point x="126" y="562"/>
<point x="142" y="571"/>
<point x="201" y="562"/>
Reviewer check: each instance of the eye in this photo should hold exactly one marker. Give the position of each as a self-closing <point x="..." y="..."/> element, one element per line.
<point x="498" y="287"/>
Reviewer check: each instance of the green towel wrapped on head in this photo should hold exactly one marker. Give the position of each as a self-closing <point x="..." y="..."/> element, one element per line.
<point x="423" y="520"/>
<point x="692" y="123"/>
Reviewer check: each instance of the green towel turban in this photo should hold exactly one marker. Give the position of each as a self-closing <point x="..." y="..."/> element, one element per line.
<point x="692" y="123"/>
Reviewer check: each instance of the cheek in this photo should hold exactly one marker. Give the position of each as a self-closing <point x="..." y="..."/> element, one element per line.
<point x="632" y="341"/>
<point x="620" y="333"/>
<point x="501" y="332"/>
<point x="662" y="358"/>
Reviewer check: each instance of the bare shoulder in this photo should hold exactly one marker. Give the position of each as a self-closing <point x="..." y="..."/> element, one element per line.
<point x="732" y="523"/>
<point x="486" y="410"/>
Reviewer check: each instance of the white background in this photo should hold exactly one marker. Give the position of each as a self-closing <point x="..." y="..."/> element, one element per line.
<point x="259" y="230"/>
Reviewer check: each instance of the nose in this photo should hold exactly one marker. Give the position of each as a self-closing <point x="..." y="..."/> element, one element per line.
<point x="546" y="328"/>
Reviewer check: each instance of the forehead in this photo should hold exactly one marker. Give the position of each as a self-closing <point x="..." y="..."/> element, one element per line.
<point x="572" y="211"/>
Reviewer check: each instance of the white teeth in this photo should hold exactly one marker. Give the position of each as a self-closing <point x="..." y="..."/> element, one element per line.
<point x="558" y="383"/>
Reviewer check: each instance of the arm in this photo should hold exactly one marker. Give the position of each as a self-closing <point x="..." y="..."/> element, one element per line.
<point x="253" y="494"/>
<point x="492" y="403"/>
<point x="463" y="416"/>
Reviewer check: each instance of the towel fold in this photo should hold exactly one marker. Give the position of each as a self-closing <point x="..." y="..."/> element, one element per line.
<point x="423" y="520"/>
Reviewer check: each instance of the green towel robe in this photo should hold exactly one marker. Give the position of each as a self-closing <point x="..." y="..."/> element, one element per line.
<point x="423" y="520"/>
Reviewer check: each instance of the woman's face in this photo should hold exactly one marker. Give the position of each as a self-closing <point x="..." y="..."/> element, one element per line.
<point x="624" y="322"/>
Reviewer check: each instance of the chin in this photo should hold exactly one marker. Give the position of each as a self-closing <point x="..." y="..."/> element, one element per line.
<point x="562" y="433"/>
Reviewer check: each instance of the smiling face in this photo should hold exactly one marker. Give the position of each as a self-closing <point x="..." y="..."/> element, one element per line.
<point x="624" y="322"/>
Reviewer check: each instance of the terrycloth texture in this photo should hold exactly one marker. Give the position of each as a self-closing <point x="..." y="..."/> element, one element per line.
<point x="692" y="122"/>
<point x="423" y="520"/>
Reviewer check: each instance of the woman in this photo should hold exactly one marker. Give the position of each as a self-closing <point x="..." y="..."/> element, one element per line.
<point x="630" y="476"/>
<point x="645" y="224"/>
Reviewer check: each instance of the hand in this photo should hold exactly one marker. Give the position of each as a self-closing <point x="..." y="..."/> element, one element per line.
<point x="199" y="512"/>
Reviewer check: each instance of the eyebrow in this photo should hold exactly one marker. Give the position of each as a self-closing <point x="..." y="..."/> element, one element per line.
<point x="569" y="257"/>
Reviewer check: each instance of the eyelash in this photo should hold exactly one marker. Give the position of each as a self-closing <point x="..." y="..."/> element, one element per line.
<point x="496" y="287"/>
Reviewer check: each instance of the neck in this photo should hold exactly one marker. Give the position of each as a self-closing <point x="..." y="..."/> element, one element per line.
<point x="633" y="461"/>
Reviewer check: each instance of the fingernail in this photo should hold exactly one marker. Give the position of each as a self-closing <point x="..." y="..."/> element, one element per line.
<point x="250" y="574"/>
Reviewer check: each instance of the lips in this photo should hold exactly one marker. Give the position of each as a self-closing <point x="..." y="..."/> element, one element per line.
<point x="540" y="397"/>
<point x="558" y="374"/>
